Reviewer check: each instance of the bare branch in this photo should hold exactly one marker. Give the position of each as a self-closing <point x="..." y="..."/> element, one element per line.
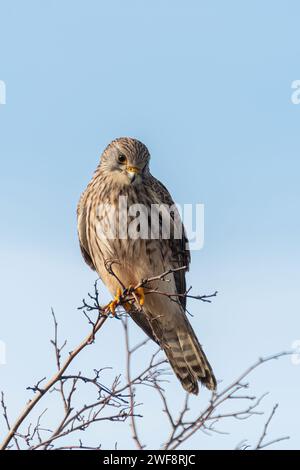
<point x="130" y="385"/>
<point x="117" y="402"/>
<point x="261" y="444"/>
<point x="56" y="377"/>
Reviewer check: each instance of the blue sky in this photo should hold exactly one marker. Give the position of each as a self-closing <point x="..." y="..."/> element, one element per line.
<point x="207" y="87"/>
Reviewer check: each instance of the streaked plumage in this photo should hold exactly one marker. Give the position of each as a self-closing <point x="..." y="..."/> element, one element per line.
<point x="163" y="319"/>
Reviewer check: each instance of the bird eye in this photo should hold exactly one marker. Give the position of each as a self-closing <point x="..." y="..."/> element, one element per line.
<point x="122" y="158"/>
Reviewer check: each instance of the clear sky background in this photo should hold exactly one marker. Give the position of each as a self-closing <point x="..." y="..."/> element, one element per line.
<point x="207" y="87"/>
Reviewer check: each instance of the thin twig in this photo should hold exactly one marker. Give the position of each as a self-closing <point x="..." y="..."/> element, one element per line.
<point x="131" y="390"/>
<point x="54" y="379"/>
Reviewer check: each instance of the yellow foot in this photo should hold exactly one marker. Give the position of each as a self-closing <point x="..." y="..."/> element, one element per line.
<point x="140" y="294"/>
<point x="111" y="307"/>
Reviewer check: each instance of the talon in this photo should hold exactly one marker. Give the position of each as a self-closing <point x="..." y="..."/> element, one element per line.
<point x="140" y="293"/>
<point x="111" y="307"/>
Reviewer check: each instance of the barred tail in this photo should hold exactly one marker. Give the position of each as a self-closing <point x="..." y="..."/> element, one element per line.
<point x="187" y="359"/>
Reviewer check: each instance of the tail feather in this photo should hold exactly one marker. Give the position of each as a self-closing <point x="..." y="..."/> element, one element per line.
<point x="182" y="348"/>
<point x="181" y="369"/>
<point x="188" y="359"/>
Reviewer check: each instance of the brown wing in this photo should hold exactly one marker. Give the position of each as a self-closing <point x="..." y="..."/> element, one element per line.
<point x="82" y="233"/>
<point x="180" y="251"/>
<point x="142" y="320"/>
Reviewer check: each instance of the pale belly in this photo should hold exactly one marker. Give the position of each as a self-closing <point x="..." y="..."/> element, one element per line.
<point x="131" y="260"/>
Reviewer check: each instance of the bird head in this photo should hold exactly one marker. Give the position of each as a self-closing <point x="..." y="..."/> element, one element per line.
<point x="126" y="160"/>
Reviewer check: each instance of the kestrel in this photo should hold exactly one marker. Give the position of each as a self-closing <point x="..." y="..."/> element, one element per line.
<point x="123" y="172"/>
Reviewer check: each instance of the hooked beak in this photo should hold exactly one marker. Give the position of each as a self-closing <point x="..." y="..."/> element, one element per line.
<point x="132" y="171"/>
